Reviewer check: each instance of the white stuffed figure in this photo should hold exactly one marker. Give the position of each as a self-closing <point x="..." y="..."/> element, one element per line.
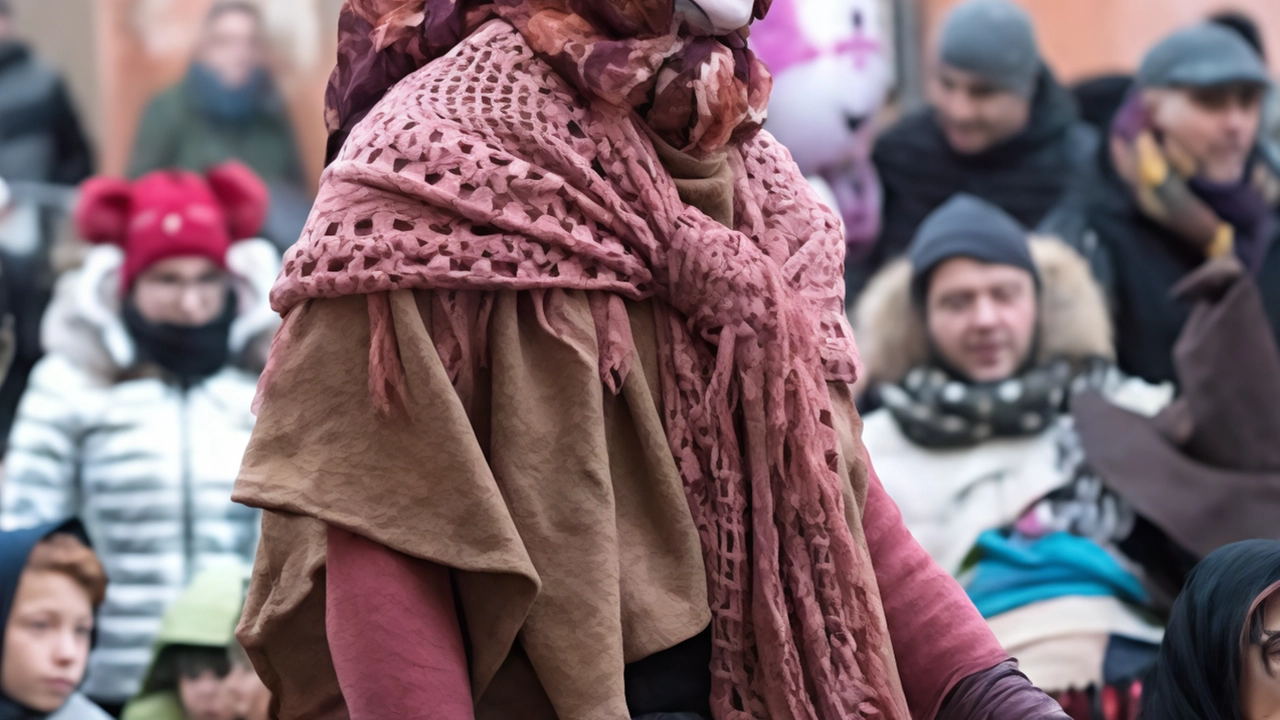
<point x="832" y="69"/>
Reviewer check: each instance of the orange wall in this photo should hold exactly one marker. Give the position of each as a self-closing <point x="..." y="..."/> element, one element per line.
<point x="1087" y="37"/>
<point x="145" y="45"/>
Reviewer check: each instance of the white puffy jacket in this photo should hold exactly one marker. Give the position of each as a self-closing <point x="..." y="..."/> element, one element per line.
<point x="148" y="466"/>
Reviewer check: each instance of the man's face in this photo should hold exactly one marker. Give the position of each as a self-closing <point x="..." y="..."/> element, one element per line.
<point x="187" y="291"/>
<point x="46" y="641"/>
<point x="1216" y="127"/>
<point x="232" y="48"/>
<point x="982" y="318"/>
<point x="974" y="114"/>
<point x="716" y="16"/>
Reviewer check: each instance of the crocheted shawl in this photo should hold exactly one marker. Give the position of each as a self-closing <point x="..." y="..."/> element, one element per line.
<point x="485" y="170"/>
<point x="696" y="92"/>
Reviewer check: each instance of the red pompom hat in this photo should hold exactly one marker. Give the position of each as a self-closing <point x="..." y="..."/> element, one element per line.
<point x="172" y="213"/>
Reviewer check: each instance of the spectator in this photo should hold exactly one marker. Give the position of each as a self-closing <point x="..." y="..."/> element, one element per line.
<point x="247" y="698"/>
<point x="187" y="679"/>
<point x="138" y="416"/>
<point x="999" y="127"/>
<point x="979" y="342"/>
<point x="1181" y="182"/>
<point x="1070" y="499"/>
<point x="228" y="107"/>
<point x="40" y="135"/>
<point x="1219" y="653"/>
<point x="50" y="585"/>
<point x="1247" y="28"/>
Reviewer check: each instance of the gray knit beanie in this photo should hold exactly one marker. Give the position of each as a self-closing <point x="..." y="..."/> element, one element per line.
<point x="969" y="227"/>
<point x="995" y="40"/>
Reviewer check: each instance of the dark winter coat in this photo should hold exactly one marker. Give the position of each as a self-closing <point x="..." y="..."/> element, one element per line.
<point x="1026" y="175"/>
<point x="1138" y="262"/>
<point x="176" y="132"/>
<point x="40" y="135"/>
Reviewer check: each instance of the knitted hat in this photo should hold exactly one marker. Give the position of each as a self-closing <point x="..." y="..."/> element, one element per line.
<point x="1202" y="56"/>
<point x="995" y="40"/>
<point x="169" y="214"/>
<point x="966" y="226"/>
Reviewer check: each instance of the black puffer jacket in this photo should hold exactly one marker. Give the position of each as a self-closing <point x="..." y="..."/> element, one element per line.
<point x="40" y="135"/>
<point x="1026" y="175"/>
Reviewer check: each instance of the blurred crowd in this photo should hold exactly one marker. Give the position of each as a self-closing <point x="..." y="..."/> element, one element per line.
<point x="1067" y="300"/>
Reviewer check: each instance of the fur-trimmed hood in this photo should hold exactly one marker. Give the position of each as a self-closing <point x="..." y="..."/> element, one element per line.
<point x="84" y="323"/>
<point x="1074" y="322"/>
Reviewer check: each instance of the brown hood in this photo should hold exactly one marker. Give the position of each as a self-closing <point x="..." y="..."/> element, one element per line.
<point x="1074" y="322"/>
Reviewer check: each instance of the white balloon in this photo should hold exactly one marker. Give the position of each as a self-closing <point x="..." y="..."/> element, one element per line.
<point x="716" y="16"/>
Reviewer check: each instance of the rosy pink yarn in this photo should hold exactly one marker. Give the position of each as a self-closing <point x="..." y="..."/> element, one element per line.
<point x="486" y="171"/>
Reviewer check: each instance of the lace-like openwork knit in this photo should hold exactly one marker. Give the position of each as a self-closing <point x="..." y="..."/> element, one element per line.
<point x="486" y="171"/>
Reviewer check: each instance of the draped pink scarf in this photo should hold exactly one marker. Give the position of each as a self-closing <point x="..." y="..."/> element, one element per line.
<point x="484" y="170"/>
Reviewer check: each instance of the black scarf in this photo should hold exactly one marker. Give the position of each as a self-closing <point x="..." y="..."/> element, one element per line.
<point x="191" y="354"/>
<point x="937" y="409"/>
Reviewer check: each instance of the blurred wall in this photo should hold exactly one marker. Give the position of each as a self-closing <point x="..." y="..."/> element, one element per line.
<point x="1081" y="38"/>
<point x="144" y="46"/>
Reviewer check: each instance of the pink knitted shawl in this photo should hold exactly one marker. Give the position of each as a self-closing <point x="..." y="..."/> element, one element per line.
<point x="485" y="171"/>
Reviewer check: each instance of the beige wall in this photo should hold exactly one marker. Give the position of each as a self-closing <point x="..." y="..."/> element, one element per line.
<point x="1088" y="37"/>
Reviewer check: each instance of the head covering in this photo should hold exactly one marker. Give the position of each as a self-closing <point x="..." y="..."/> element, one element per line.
<point x="172" y="213"/>
<point x="697" y="92"/>
<point x="1206" y="470"/>
<point x="203" y="616"/>
<point x="967" y="226"/>
<point x="1202" y="56"/>
<point x="1244" y="26"/>
<point x="995" y="40"/>
<point x="15" y="549"/>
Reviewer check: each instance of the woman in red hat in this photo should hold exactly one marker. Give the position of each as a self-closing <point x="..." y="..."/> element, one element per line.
<point x="137" y="417"/>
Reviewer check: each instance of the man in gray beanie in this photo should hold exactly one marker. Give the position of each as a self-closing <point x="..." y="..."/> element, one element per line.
<point x="1183" y="183"/>
<point x="999" y="127"/>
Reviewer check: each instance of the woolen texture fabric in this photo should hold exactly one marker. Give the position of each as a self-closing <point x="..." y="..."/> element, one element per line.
<point x="172" y="213"/>
<point x="967" y="226"/>
<point x="995" y="40"/>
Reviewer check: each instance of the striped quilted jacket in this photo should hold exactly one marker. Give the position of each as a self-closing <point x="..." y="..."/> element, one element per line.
<point x="147" y="465"/>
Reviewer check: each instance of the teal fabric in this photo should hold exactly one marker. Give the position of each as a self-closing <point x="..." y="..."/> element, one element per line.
<point x="1009" y="571"/>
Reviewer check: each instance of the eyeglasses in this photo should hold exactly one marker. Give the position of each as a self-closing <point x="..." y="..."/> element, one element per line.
<point x="175" y="287"/>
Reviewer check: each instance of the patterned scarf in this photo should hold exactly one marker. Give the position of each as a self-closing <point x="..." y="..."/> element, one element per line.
<point x="936" y="410"/>
<point x="486" y="171"/>
<point x="695" y="92"/>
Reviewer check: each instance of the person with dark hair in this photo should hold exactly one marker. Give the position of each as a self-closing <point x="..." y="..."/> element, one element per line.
<point x="41" y="139"/>
<point x="229" y="108"/>
<point x="193" y="651"/>
<point x="1219" y="657"/>
<point x="999" y="126"/>
<point x="51" y="584"/>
